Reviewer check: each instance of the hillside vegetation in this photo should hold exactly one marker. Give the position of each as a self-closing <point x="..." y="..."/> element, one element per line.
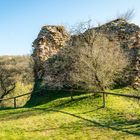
<point x="20" y="65"/>
<point x="55" y="116"/>
<point x="19" y="70"/>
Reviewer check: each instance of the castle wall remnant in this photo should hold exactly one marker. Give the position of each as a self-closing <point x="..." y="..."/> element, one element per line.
<point x="49" y="41"/>
<point x="52" y="39"/>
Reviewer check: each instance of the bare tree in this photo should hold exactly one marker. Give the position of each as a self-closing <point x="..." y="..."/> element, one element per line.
<point x="97" y="61"/>
<point x="7" y="83"/>
<point x="81" y="27"/>
<point x="97" y="66"/>
<point x="89" y="61"/>
<point x="128" y="15"/>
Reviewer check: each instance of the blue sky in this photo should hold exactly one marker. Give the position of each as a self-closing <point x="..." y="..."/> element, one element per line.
<point x="21" y="20"/>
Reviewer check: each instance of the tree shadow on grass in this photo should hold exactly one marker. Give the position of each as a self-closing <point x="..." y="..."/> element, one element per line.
<point x="122" y="126"/>
<point x="45" y="96"/>
<point x="6" y="108"/>
<point x="27" y="112"/>
<point x="86" y="112"/>
<point x="126" y="126"/>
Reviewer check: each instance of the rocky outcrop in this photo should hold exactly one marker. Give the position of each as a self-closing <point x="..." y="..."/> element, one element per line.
<point x="127" y="36"/>
<point x="52" y="39"/>
<point x="49" y="41"/>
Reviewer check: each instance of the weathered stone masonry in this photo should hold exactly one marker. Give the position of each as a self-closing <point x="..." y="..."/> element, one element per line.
<point x="49" y="41"/>
<point x="53" y="38"/>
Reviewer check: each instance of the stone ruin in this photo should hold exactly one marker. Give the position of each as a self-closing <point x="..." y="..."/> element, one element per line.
<point x="49" y="41"/>
<point x="52" y="39"/>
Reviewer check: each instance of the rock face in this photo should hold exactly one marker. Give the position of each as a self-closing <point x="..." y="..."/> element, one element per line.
<point x="128" y="37"/>
<point x="52" y="39"/>
<point x="49" y="41"/>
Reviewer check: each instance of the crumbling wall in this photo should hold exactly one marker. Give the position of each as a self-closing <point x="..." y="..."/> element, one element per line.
<point x="128" y="37"/>
<point x="49" y="41"/>
<point x="52" y="39"/>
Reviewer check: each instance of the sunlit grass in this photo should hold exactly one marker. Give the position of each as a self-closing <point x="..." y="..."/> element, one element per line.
<point x="19" y="90"/>
<point x="83" y="119"/>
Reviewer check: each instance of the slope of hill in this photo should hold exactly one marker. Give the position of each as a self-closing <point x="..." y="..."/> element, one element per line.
<point x="83" y="118"/>
<point x="20" y="66"/>
<point x="20" y="70"/>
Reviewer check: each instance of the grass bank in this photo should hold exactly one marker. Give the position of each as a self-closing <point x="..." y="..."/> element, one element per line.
<point x="60" y="118"/>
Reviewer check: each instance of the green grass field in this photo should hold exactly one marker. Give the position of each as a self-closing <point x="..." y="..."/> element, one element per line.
<point x="57" y="117"/>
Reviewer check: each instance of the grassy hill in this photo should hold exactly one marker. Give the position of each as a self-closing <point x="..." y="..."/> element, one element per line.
<point x="20" y="70"/>
<point x="57" y="117"/>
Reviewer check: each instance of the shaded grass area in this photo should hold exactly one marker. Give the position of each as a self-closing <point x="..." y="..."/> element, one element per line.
<point x="45" y="96"/>
<point x="60" y="118"/>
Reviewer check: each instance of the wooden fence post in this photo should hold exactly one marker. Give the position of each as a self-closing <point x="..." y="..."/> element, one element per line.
<point x="71" y="92"/>
<point x="15" y="105"/>
<point x="104" y="100"/>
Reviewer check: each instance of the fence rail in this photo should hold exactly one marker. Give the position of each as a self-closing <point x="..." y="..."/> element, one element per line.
<point x="84" y="91"/>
